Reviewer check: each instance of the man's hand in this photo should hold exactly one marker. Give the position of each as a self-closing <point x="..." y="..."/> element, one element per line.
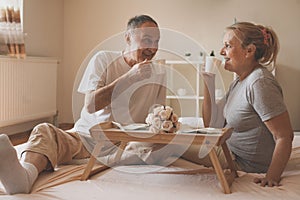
<point x="140" y="71"/>
<point x="266" y="182"/>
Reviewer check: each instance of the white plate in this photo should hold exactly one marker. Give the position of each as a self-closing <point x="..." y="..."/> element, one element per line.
<point x="203" y="130"/>
<point x="135" y="126"/>
<point x="192" y="122"/>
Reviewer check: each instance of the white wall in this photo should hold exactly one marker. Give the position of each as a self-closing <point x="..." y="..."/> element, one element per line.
<point x="86" y="23"/>
<point x="43" y="25"/>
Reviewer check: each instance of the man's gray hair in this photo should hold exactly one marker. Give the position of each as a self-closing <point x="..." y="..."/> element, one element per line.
<point x="137" y="21"/>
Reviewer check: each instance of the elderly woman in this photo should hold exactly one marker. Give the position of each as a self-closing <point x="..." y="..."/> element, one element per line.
<point x="262" y="135"/>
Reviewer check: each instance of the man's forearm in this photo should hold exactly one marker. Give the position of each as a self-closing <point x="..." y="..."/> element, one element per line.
<point x="102" y="97"/>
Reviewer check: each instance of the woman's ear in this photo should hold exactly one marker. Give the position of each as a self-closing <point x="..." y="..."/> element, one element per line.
<point x="251" y="48"/>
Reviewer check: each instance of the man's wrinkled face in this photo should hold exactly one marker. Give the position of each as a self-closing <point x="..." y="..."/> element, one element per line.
<point x="143" y="41"/>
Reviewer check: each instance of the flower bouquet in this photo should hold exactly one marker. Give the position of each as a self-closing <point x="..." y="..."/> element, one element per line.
<point x="163" y="119"/>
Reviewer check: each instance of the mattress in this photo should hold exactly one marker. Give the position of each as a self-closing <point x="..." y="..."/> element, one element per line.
<point x="150" y="181"/>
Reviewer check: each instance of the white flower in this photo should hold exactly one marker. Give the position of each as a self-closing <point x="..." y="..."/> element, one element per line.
<point x="177" y="125"/>
<point x="166" y="125"/>
<point x="149" y="119"/>
<point x="174" y="118"/>
<point x="163" y="115"/>
<point x="157" y="110"/>
<point x="156" y="122"/>
<point x="163" y="119"/>
<point x="169" y="111"/>
<point x="169" y="108"/>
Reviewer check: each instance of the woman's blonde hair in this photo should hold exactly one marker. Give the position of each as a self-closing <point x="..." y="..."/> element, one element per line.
<point x="264" y="38"/>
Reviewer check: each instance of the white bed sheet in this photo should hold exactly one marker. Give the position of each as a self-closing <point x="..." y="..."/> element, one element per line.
<point x="117" y="184"/>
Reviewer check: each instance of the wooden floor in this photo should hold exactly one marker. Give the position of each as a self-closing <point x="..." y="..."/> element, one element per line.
<point x="23" y="137"/>
<point x="19" y="138"/>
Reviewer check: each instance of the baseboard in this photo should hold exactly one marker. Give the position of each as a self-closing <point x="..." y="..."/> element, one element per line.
<point x="19" y="138"/>
<point x="23" y="127"/>
<point x="22" y="137"/>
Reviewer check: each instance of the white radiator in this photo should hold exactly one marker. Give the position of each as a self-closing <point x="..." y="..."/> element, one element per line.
<point x="27" y="89"/>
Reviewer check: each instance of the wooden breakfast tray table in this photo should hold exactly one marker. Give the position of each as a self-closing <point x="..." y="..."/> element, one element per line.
<point x="107" y="131"/>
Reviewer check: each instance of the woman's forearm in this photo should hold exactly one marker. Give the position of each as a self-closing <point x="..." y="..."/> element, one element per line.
<point x="206" y="107"/>
<point x="280" y="158"/>
<point x="212" y="111"/>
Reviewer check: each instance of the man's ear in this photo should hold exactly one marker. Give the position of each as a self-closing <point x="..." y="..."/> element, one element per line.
<point x="128" y="37"/>
<point x="250" y="50"/>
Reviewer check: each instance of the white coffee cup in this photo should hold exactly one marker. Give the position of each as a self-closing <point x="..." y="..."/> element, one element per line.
<point x="159" y="66"/>
<point x="211" y="63"/>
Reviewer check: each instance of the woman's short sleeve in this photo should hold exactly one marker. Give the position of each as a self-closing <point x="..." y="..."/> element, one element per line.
<point x="266" y="98"/>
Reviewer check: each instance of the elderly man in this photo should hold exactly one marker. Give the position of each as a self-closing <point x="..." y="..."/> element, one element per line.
<point x="119" y="86"/>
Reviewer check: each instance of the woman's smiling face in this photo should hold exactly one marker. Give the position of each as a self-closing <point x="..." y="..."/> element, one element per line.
<point x="233" y="52"/>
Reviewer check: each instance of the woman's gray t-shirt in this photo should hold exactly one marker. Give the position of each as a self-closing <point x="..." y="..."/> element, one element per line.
<point x="249" y="103"/>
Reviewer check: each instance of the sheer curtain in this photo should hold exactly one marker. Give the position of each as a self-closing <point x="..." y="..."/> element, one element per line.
<point x="11" y="30"/>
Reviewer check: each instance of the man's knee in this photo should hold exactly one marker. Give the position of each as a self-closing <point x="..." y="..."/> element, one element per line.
<point x="43" y="129"/>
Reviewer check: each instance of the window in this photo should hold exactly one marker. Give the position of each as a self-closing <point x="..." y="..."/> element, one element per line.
<point x="11" y="29"/>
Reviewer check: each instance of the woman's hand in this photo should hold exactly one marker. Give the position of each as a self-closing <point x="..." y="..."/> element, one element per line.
<point x="266" y="182"/>
<point x="282" y="131"/>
